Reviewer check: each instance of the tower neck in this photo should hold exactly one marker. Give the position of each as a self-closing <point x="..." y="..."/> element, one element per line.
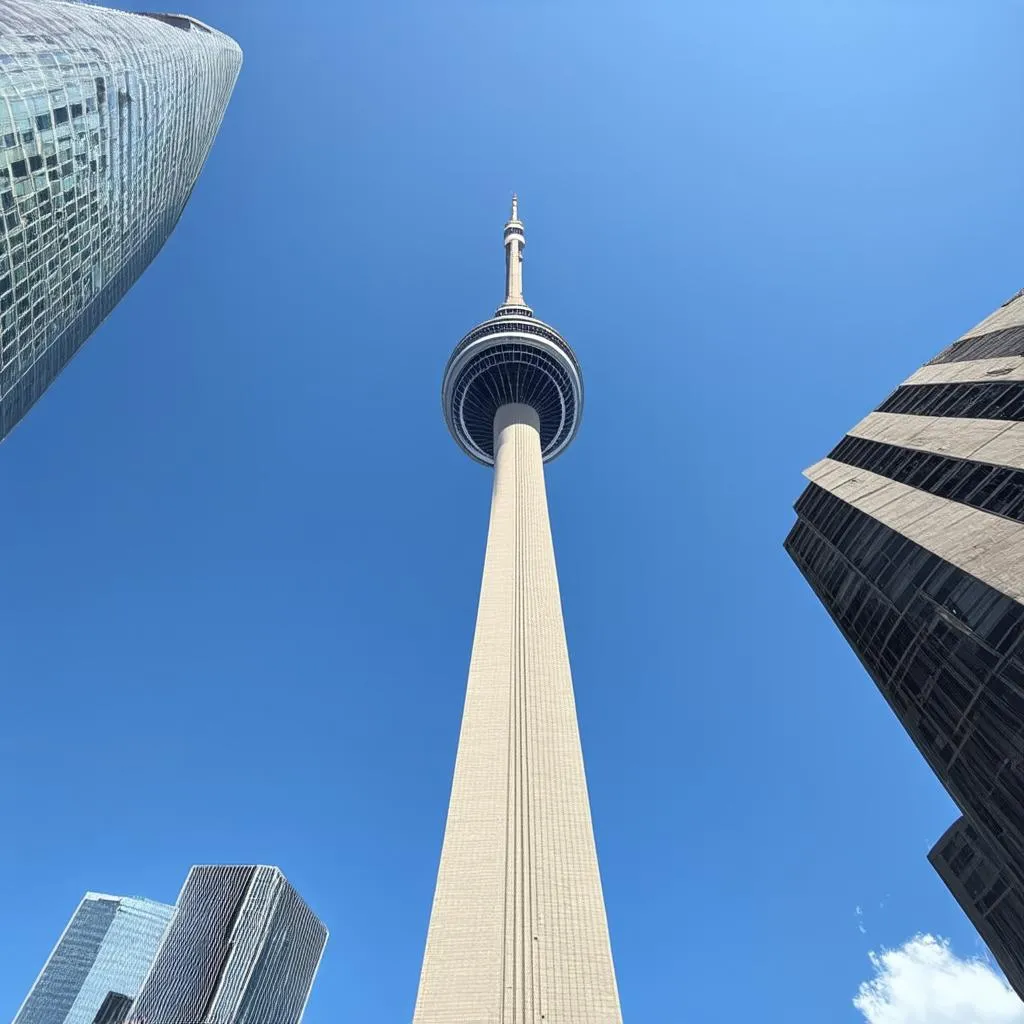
<point x="515" y="242"/>
<point x="514" y="414"/>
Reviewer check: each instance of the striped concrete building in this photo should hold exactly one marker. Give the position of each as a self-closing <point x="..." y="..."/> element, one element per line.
<point x="242" y="948"/>
<point x="911" y="533"/>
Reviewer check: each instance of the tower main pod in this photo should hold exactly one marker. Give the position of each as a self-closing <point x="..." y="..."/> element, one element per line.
<point x="518" y="933"/>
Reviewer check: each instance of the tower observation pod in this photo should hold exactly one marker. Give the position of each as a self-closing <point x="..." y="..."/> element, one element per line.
<point x="518" y="932"/>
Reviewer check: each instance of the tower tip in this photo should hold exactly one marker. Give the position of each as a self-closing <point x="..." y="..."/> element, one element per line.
<point x="515" y="207"/>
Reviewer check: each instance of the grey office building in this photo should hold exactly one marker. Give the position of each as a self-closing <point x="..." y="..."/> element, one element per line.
<point x="911" y="533"/>
<point x="99" y="962"/>
<point x="106" y="119"/>
<point x="243" y="948"/>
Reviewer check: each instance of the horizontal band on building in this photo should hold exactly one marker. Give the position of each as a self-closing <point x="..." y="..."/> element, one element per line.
<point x="1005" y="369"/>
<point x="988" y="546"/>
<point x="900" y="568"/>
<point x="1000" y="442"/>
<point x="986" y="400"/>
<point x="995" y="489"/>
<point x="1006" y="342"/>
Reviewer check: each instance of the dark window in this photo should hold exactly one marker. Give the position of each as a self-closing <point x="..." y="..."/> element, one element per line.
<point x="170" y="19"/>
<point x="19" y="168"/>
<point x="44" y="121"/>
<point x="1001" y="400"/>
<point x="991" y="345"/>
<point x="114" y="1009"/>
<point x="35" y="163"/>
<point x="60" y="115"/>
<point x="996" y="489"/>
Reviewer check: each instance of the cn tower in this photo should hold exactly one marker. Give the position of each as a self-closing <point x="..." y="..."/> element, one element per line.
<point x="518" y="932"/>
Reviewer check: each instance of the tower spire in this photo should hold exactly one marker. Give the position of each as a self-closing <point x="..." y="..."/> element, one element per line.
<point x="515" y="241"/>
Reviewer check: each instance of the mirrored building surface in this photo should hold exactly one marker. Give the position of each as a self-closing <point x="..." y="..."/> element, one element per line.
<point x="243" y="948"/>
<point x="106" y="118"/>
<point x="911" y="533"/>
<point x="99" y="962"/>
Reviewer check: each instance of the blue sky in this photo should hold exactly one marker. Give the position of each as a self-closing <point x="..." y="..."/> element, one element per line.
<point x="242" y="555"/>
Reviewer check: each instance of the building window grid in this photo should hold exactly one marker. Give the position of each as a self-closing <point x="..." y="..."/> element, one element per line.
<point x="53" y="144"/>
<point x="1008" y="341"/>
<point x="1000" y="400"/>
<point x="998" y="490"/>
<point x="90" y="199"/>
<point x="969" y="739"/>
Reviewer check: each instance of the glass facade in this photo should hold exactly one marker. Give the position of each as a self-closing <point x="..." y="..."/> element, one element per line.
<point x="998" y="489"/>
<point x="1009" y="341"/>
<point x="912" y="544"/>
<point x="243" y="949"/>
<point x="977" y="879"/>
<point x="943" y="647"/>
<point x="114" y="1009"/>
<point x="985" y="400"/>
<point x="98" y="963"/>
<point x="106" y="119"/>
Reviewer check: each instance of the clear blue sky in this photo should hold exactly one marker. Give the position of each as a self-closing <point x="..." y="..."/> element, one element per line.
<point x="242" y="555"/>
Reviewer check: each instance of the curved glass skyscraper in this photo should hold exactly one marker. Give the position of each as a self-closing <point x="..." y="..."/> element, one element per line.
<point x="106" y="118"/>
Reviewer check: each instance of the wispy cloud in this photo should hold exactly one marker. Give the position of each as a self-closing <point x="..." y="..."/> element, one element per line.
<point x="924" y="982"/>
<point x="859" y="913"/>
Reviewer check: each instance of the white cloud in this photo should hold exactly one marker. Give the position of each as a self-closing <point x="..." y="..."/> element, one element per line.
<point x="924" y="982"/>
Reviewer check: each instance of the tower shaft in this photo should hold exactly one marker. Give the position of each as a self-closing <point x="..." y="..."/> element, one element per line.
<point x="515" y="242"/>
<point x="514" y="272"/>
<point x="518" y="933"/>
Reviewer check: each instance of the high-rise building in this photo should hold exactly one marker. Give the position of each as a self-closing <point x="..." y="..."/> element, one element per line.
<point x="106" y="118"/>
<point x="987" y="895"/>
<point x="517" y="932"/>
<point x="911" y="533"/>
<point x="98" y="964"/>
<point x="243" y="948"/>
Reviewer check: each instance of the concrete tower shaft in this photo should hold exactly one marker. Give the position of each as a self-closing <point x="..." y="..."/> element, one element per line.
<point x="518" y="932"/>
